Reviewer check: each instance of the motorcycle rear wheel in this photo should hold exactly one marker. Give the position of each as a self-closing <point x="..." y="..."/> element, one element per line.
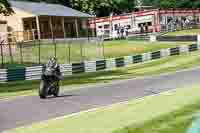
<point x="43" y="91"/>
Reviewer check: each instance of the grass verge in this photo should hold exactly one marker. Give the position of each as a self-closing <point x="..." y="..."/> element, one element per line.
<point x="181" y="103"/>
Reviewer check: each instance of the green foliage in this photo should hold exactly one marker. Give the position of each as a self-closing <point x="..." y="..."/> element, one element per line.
<point x="167" y="3"/>
<point x="5" y="7"/>
<point x="106" y="7"/>
<point x="172" y="3"/>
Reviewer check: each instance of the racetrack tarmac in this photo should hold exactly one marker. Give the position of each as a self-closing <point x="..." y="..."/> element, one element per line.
<point x="27" y="110"/>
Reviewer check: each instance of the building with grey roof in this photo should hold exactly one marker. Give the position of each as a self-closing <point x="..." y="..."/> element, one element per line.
<point x="41" y="20"/>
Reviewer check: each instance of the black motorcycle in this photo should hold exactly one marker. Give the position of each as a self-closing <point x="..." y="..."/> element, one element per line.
<point x="49" y="84"/>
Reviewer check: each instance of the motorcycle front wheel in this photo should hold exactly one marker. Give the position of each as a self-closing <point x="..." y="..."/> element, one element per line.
<point x="43" y="90"/>
<point x="56" y="91"/>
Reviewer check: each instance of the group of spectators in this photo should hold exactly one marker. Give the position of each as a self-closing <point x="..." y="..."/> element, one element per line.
<point x="122" y="31"/>
<point x="144" y="28"/>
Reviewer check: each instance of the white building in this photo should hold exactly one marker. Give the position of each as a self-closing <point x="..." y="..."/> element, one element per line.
<point x="154" y="20"/>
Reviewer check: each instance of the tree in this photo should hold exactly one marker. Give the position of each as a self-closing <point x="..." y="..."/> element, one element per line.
<point x="5" y="7"/>
<point x="173" y="3"/>
<point x="167" y="4"/>
<point x="121" y="6"/>
<point x="104" y="7"/>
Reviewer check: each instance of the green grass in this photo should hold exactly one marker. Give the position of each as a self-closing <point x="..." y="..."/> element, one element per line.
<point x="184" y="32"/>
<point x="168" y="64"/>
<point x="117" y="48"/>
<point x="178" y="121"/>
<point x="141" y="116"/>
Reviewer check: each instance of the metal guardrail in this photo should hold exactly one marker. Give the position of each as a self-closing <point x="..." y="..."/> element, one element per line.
<point x="176" y="38"/>
<point x="156" y="55"/>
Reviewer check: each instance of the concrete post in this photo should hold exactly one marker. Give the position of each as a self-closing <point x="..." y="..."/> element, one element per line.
<point x="38" y="27"/>
<point x="76" y="25"/>
<point x="63" y="25"/>
<point x="51" y="27"/>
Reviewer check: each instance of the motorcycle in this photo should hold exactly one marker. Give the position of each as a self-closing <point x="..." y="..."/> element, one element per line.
<point x="49" y="85"/>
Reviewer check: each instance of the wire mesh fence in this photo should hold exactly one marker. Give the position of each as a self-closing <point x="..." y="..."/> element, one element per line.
<point x="39" y="51"/>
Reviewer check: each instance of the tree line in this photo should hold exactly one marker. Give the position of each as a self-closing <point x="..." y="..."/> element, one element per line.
<point x="106" y="7"/>
<point x="173" y="3"/>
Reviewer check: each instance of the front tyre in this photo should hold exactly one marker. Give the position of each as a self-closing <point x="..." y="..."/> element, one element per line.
<point x="56" y="91"/>
<point x="43" y="91"/>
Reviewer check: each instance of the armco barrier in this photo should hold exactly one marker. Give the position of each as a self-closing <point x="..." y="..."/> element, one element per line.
<point x="110" y="64"/>
<point x="165" y="52"/>
<point x="137" y="59"/>
<point x="184" y="49"/>
<point x="155" y="55"/>
<point x="174" y="51"/>
<point x="100" y="65"/>
<point x="120" y="62"/>
<point x="193" y="47"/>
<point x="128" y="60"/>
<point x="34" y="73"/>
<point x="146" y="57"/>
<point x="66" y="69"/>
<point x="90" y="66"/>
<point x="176" y="38"/>
<point x="3" y="75"/>
<point x="16" y="74"/>
<point x="78" y="68"/>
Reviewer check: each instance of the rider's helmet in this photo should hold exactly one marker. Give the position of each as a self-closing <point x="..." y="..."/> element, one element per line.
<point x="52" y="62"/>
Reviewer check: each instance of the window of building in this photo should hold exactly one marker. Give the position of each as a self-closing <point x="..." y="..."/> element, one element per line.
<point x="128" y="26"/>
<point x="106" y="26"/>
<point x="149" y="23"/>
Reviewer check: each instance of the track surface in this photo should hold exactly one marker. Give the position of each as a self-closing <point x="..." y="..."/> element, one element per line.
<point x="26" y="110"/>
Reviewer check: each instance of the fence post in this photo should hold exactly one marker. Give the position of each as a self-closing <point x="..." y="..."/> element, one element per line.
<point x="21" y="55"/>
<point x="103" y="49"/>
<point x="55" y="48"/>
<point x="88" y="31"/>
<point x="10" y="52"/>
<point x="39" y="53"/>
<point x="81" y="48"/>
<point x="2" y="59"/>
<point x="69" y="47"/>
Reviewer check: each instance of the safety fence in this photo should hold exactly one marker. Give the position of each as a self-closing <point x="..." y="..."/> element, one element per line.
<point x="34" y="73"/>
<point x="38" y="51"/>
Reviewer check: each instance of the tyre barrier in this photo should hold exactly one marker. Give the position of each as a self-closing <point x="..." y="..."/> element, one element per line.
<point x="34" y="73"/>
<point x="100" y="65"/>
<point x="137" y="59"/>
<point x="3" y="75"/>
<point x="119" y="62"/>
<point x="156" y="55"/>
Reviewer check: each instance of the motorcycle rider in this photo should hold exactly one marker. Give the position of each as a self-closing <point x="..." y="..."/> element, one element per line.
<point x="50" y="78"/>
<point x="55" y="68"/>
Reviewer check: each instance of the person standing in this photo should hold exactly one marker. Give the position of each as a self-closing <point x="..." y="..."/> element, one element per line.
<point x="122" y="32"/>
